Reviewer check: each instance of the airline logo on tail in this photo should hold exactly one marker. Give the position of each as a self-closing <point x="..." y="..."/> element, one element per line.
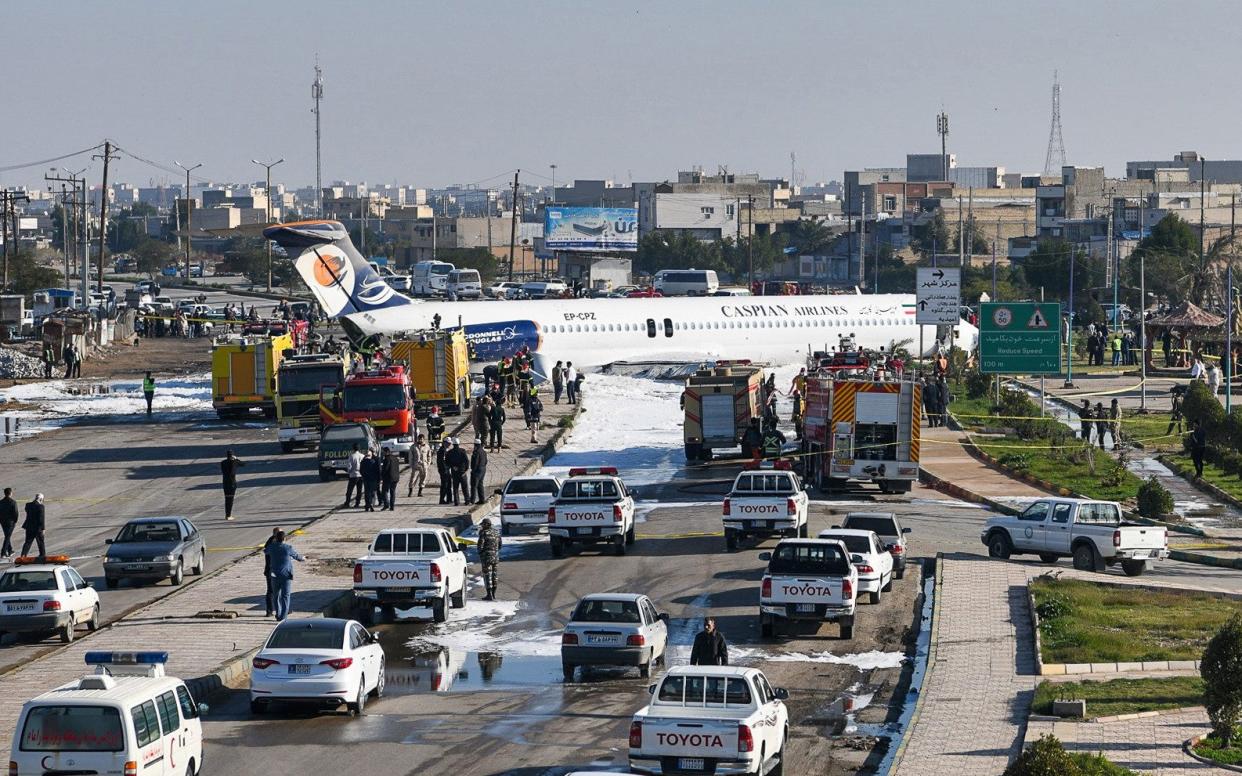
<point x="327" y="271"/>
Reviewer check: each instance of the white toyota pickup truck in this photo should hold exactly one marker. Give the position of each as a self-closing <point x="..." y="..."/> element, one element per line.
<point x="410" y="567"/>
<point x="764" y="502"/>
<point x="593" y="507"/>
<point x="711" y="719"/>
<point x="1093" y="533"/>
<point x="808" y="579"/>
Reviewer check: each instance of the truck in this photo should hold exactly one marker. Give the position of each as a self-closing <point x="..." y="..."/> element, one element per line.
<point x="439" y="365"/>
<point x="593" y="507"/>
<point x="299" y="381"/>
<point x="764" y="502"/>
<point x="711" y="719"/>
<point x="1094" y="533"/>
<point x="719" y="404"/>
<point x="863" y="429"/>
<point x="379" y="396"/>
<point x="243" y="373"/>
<point x="336" y="444"/>
<point x="808" y="579"/>
<point x="410" y="567"/>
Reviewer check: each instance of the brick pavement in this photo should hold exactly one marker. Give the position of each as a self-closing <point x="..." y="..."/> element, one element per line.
<point x="979" y="686"/>
<point x="943" y="454"/>
<point x="1152" y="745"/>
<point x="199" y="647"/>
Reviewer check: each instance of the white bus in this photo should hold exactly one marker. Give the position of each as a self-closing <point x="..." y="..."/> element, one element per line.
<point x="429" y="278"/>
<point x="686" y="282"/>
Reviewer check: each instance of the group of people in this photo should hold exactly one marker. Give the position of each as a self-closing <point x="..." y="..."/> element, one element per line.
<point x="936" y="398"/>
<point x="1099" y="421"/>
<point x="34" y="525"/>
<point x="70" y="356"/>
<point x="374" y="478"/>
<point x="568" y="380"/>
<point x="1121" y="344"/>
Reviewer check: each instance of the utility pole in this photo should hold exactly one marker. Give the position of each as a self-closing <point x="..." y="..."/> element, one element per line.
<point x="513" y="224"/>
<point x="552" y="200"/>
<point x="1229" y="312"/>
<point x="1115" y="266"/>
<point x="268" y="167"/>
<point x="750" y="241"/>
<point x="942" y="129"/>
<point x="1069" y="335"/>
<point x="103" y="215"/>
<point x="1202" y="222"/>
<point x="862" y="244"/>
<point x="961" y="238"/>
<point x="317" y="96"/>
<point x="68" y="218"/>
<point x="189" y="205"/>
<point x="1142" y="313"/>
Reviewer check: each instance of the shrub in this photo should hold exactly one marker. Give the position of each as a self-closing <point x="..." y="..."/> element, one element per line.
<point x="1202" y="406"/>
<point x="1221" y="669"/>
<point x="1154" y="499"/>
<point x="977" y="384"/>
<point x="1054" y="605"/>
<point x="1045" y="757"/>
<point x="1019" y="462"/>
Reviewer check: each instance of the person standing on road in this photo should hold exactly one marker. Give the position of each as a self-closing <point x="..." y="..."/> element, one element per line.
<point x="1175" y="413"/>
<point x="148" y="391"/>
<point x="49" y="359"/>
<point x="481" y="417"/>
<point x="1213" y="379"/>
<point x="1115" y="345"/>
<point x="1101" y="423"/>
<point x="478" y="472"/>
<point x="354" y="471"/>
<point x="371" y="474"/>
<point x="1114" y="423"/>
<point x="435" y="425"/>
<point x="752" y="440"/>
<point x="709" y="647"/>
<point x="942" y="400"/>
<point x="571" y="382"/>
<point x="532" y="410"/>
<point x="1198" y="446"/>
<point x="489" y="556"/>
<point x="446" y="478"/>
<point x="419" y="466"/>
<point x="35" y="524"/>
<point x="390" y="468"/>
<point x="228" y="475"/>
<point x="773" y="443"/>
<point x="459" y="466"/>
<point x="558" y="382"/>
<point x="269" y="598"/>
<point x="8" y="521"/>
<point x="1085" y="416"/>
<point x="496" y="426"/>
<point x="280" y="557"/>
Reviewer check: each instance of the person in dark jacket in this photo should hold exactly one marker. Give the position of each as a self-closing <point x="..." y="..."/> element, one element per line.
<point x="390" y="467"/>
<point x="489" y="556"/>
<point x="459" y="465"/>
<point x="558" y="381"/>
<point x="532" y="410"/>
<point x="228" y="477"/>
<point x="1085" y="417"/>
<point x="709" y="646"/>
<point x="478" y="471"/>
<point x="1198" y="446"/>
<point x="496" y="426"/>
<point x="752" y="440"/>
<point x="435" y="425"/>
<point x="35" y="524"/>
<point x="8" y="521"/>
<point x="1101" y="423"/>
<point x="148" y="391"/>
<point x="372" y="474"/>
<point x="269" y="599"/>
<point x="446" y="479"/>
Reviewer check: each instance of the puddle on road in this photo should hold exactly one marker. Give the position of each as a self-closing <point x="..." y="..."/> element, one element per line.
<point x="447" y="670"/>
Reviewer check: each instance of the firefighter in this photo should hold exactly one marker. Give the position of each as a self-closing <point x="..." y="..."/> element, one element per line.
<point x="799" y="382"/>
<point x="507" y="376"/>
<point x="796" y="413"/>
<point x="770" y="420"/>
<point x="773" y="443"/>
<point x="752" y="440"/>
<point x="435" y="425"/>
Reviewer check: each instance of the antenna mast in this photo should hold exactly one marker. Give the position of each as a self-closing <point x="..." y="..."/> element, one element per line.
<point x="317" y="95"/>
<point x="1056" y="145"/>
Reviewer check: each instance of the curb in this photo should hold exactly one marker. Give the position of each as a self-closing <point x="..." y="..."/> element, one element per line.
<point x="234" y="671"/>
<point x="1039" y="644"/>
<point x="1203" y="486"/>
<point x="1189" y="667"/>
<point x="1117" y="717"/>
<point x="1188" y="746"/>
<point x="900" y="752"/>
<point x="958" y="492"/>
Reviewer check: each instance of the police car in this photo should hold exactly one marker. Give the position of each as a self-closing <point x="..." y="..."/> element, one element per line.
<point x="46" y="597"/>
<point x="127" y="718"/>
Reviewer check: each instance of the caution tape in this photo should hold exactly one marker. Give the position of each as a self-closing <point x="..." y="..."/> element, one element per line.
<point x="1130" y="419"/>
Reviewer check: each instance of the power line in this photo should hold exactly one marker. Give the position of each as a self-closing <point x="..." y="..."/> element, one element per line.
<point x="24" y="165"/>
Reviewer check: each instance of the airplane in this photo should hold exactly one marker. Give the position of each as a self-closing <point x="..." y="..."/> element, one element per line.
<point x="593" y="333"/>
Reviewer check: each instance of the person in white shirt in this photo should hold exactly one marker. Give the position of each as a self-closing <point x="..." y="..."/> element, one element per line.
<point x="1196" y="369"/>
<point x="571" y="382"/>
<point x="1213" y="379"/>
<point x="354" y="489"/>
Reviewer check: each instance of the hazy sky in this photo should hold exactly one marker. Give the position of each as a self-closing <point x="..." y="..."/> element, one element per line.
<point x="465" y="91"/>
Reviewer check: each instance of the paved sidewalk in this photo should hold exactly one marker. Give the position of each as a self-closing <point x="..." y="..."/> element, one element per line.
<point x="944" y="455"/>
<point x="982" y="677"/>
<point x="1152" y="745"/>
<point x="200" y="647"/>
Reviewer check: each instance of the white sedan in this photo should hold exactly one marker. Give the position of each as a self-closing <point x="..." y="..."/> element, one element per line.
<point x="46" y="597"/>
<point x="321" y="661"/>
<point x="614" y="629"/>
<point x="873" y="562"/>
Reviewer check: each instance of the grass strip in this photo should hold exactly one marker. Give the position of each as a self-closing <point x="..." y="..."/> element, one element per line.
<point x="1123" y="696"/>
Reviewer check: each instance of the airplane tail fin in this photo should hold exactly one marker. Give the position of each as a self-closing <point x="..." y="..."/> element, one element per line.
<point x="339" y="277"/>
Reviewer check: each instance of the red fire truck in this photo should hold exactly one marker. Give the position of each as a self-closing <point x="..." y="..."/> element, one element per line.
<point x="380" y="397"/>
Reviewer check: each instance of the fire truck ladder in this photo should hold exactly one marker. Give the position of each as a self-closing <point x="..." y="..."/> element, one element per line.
<point x="441" y="349"/>
<point x="905" y="408"/>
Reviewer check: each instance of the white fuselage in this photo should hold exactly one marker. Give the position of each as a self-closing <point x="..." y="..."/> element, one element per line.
<point x="597" y="332"/>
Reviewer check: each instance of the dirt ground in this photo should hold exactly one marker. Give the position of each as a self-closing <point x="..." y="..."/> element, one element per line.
<point x="164" y="356"/>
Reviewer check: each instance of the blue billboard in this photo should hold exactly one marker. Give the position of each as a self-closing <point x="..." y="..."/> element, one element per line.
<point x="590" y="229"/>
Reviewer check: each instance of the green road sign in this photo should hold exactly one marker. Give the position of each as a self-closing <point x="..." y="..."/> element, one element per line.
<point x="1020" y="338"/>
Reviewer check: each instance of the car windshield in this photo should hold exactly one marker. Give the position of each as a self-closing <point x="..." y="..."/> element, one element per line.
<point x="855" y="544"/>
<point x="374" y="397"/>
<point x="73" y="729"/>
<point x="307" y="379"/>
<point x="808" y="559"/>
<point x="586" y="489"/>
<point x="302" y="636"/>
<point x="441" y="269"/>
<point x="346" y="432"/>
<point x="148" y="532"/>
<point x="765" y="483"/>
<point x="606" y="611"/>
<point x="526" y="487"/>
<point x="884" y="526"/>
<point x="23" y="581"/>
<point x="700" y="690"/>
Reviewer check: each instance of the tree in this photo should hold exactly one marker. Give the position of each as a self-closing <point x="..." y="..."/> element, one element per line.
<point x="1045" y="757"/>
<point x="1171" y="255"/>
<point x="1048" y="267"/>
<point x="1221" y="669"/>
<point x="977" y="280"/>
<point x="976" y="242"/>
<point x="27" y="275"/>
<point x="930" y="236"/>
<point x="895" y="276"/>
<point x="152" y="255"/>
<point x="810" y="238"/>
<point x="481" y="259"/>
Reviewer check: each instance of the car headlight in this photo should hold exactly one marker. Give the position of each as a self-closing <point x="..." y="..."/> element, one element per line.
<point x="406" y="438"/>
<point x="169" y="556"/>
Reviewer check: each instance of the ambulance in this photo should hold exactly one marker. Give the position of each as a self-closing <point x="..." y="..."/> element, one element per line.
<point x="126" y="718"/>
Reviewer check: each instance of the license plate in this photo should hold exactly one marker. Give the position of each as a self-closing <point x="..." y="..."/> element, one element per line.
<point x="690" y="763"/>
<point x="806" y="607"/>
<point x="299" y="669"/>
<point x="585" y="531"/>
<point x="139" y="567"/>
<point x="398" y="589"/>
<point x="602" y="639"/>
<point x="21" y="607"/>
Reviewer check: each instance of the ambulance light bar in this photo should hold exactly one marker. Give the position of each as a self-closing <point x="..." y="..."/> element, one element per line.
<point x="126" y="658"/>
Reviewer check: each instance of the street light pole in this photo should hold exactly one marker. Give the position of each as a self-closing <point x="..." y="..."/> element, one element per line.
<point x="188" y="230"/>
<point x="552" y="199"/>
<point x="1069" y="330"/>
<point x="268" y="167"/>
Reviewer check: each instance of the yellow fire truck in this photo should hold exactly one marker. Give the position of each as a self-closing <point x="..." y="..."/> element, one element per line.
<point x="439" y="365"/>
<point x="719" y="404"/>
<point x="243" y="373"/>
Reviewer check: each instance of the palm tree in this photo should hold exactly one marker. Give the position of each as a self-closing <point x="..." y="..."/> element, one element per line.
<point x="810" y="237"/>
